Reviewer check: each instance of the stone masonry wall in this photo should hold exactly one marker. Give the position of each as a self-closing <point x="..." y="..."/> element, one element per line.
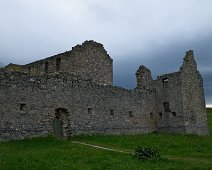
<point x="72" y="93"/>
<point x="169" y="104"/>
<point x="180" y="102"/>
<point x="28" y="106"/>
<point x="144" y="79"/>
<point x="193" y="97"/>
<point x="89" y="60"/>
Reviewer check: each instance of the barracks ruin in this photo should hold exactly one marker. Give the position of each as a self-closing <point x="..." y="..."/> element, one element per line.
<point x="72" y="93"/>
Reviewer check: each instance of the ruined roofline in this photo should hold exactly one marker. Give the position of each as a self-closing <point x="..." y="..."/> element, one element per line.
<point x="144" y="70"/>
<point x="189" y="57"/>
<point x="12" y="64"/>
<point x="168" y="75"/>
<point x="77" y="48"/>
<point x="91" y="43"/>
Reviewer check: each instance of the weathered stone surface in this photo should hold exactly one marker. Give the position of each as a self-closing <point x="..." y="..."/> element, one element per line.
<point x="82" y="100"/>
<point x="89" y="60"/>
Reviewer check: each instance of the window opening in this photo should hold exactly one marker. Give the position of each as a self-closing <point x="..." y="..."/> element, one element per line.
<point x="89" y="110"/>
<point x="165" y="82"/>
<point x="166" y="107"/>
<point x="151" y="115"/>
<point x="58" y="64"/>
<point x="131" y="113"/>
<point x="46" y="69"/>
<point x="23" y="107"/>
<point x="174" y="114"/>
<point x="112" y="112"/>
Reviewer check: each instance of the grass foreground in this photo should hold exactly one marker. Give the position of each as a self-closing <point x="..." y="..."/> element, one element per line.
<point x="185" y="152"/>
<point x="177" y="152"/>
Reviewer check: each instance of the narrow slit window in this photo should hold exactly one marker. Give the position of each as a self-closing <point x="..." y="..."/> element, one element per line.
<point x="46" y="69"/>
<point x="160" y="115"/>
<point x="131" y="113"/>
<point x="58" y="64"/>
<point x="151" y="115"/>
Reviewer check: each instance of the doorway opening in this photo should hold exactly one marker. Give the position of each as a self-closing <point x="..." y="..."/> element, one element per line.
<point x="61" y="123"/>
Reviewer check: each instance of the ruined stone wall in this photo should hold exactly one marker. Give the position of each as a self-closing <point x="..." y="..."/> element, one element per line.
<point x="193" y="97"/>
<point x="180" y="101"/>
<point x="144" y="79"/>
<point x="28" y="105"/>
<point x="169" y="103"/>
<point x="89" y="60"/>
<point x="77" y="98"/>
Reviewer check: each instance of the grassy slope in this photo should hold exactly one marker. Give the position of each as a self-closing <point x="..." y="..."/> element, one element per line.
<point x="178" y="152"/>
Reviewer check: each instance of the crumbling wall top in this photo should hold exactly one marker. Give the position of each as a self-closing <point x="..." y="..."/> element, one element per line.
<point x="144" y="78"/>
<point x="189" y="64"/>
<point x="88" y="44"/>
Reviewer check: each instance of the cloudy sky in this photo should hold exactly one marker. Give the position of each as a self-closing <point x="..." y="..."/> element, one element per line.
<point x="155" y="33"/>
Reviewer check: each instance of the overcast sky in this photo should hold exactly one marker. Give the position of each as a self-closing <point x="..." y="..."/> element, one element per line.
<point x="155" y="33"/>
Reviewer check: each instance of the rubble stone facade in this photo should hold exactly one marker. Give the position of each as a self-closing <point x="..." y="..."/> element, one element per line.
<point x="72" y="93"/>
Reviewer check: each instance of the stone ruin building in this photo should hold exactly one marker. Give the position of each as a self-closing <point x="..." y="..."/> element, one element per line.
<point x="72" y="93"/>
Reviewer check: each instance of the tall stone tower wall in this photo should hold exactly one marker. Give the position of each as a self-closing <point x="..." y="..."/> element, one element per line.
<point x="193" y="97"/>
<point x="169" y="104"/>
<point x="180" y="101"/>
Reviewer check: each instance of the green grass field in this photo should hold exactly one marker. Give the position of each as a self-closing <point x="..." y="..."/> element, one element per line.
<point x="184" y="152"/>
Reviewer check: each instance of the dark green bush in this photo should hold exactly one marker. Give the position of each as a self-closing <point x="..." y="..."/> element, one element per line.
<point x="146" y="153"/>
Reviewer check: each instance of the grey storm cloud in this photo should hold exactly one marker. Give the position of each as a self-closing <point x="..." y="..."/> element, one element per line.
<point x="168" y="60"/>
<point x="154" y="33"/>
